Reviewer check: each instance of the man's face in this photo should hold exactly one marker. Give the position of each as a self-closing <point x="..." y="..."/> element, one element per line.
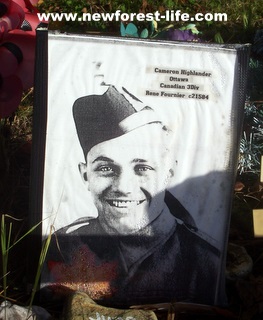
<point x="127" y="177"/>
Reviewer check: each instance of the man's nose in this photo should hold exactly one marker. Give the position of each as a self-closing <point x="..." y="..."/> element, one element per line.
<point x="125" y="182"/>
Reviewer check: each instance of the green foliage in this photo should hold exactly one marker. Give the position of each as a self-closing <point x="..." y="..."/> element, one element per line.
<point x="186" y="33"/>
<point x="251" y="144"/>
<point x="218" y="38"/>
<point x="244" y="16"/>
<point x="141" y="31"/>
<point x="42" y="258"/>
<point x="7" y="244"/>
<point x="249" y="154"/>
<point x="191" y="27"/>
<point x="129" y="31"/>
<point x="255" y="83"/>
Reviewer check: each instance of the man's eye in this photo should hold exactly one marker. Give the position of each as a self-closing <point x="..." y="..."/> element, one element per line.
<point x="143" y="168"/>
<point x="104" y="169"/>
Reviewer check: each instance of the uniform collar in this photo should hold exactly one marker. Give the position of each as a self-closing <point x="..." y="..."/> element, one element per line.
<point x="134" y="249"/>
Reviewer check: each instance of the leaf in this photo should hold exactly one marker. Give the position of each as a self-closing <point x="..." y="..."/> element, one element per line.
<point x="153" y="26"/>
<point x="195" y="31"/>
<point x="144" y="33"/>
<point x="123" y="31"/>
<point x="218" y="38"/>
<point x="131" y="30"/>
<point x="42" y="257"/>
<point x="192" y="27"/>
<point x="168" y="27"/>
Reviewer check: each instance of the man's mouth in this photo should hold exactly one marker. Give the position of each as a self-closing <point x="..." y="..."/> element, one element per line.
<point x="124" y="203"/>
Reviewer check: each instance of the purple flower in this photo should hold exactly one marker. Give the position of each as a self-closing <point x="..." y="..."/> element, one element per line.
<point x="182" y="35"/>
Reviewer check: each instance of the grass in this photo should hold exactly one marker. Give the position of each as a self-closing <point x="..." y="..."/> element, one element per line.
<point x="15" y="142"/>
<point x="17" y="249"/>
<point x="6" y="247"/>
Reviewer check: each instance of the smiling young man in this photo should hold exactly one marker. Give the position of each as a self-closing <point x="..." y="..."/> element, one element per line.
<point x="127" y="179"/>
<point x="144" y="246"/>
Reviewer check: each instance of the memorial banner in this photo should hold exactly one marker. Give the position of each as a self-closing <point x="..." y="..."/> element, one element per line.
<point x="141" y="148"/>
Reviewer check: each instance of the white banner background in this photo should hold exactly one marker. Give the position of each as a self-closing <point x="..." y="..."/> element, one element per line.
<point x="203" y="127"/>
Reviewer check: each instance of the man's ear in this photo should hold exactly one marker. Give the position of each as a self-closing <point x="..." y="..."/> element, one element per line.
<point x="83" y="172"/>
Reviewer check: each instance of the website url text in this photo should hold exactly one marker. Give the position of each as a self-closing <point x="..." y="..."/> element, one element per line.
<point x="169" y="16"/>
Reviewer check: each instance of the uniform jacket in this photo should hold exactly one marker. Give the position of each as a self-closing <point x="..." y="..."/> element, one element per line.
<point x="176" y="265"/>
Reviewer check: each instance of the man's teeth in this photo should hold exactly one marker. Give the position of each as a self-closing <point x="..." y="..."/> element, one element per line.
<point x="124" y="203"/>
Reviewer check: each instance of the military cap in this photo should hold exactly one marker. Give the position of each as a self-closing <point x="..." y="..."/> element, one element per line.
<point x="100" y="118"/>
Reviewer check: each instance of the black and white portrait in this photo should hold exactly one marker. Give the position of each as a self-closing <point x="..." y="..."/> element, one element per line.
<point x="138" y="172"/>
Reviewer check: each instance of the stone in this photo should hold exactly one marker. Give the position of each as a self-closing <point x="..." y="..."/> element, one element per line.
<point x="10" y="311"/>
<point x="81" y="307"/>
<point x="239" y="264"/>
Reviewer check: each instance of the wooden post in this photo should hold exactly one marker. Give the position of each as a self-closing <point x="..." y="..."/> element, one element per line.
<point x="258" y="213"/>
<point x="258" y="222"/>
